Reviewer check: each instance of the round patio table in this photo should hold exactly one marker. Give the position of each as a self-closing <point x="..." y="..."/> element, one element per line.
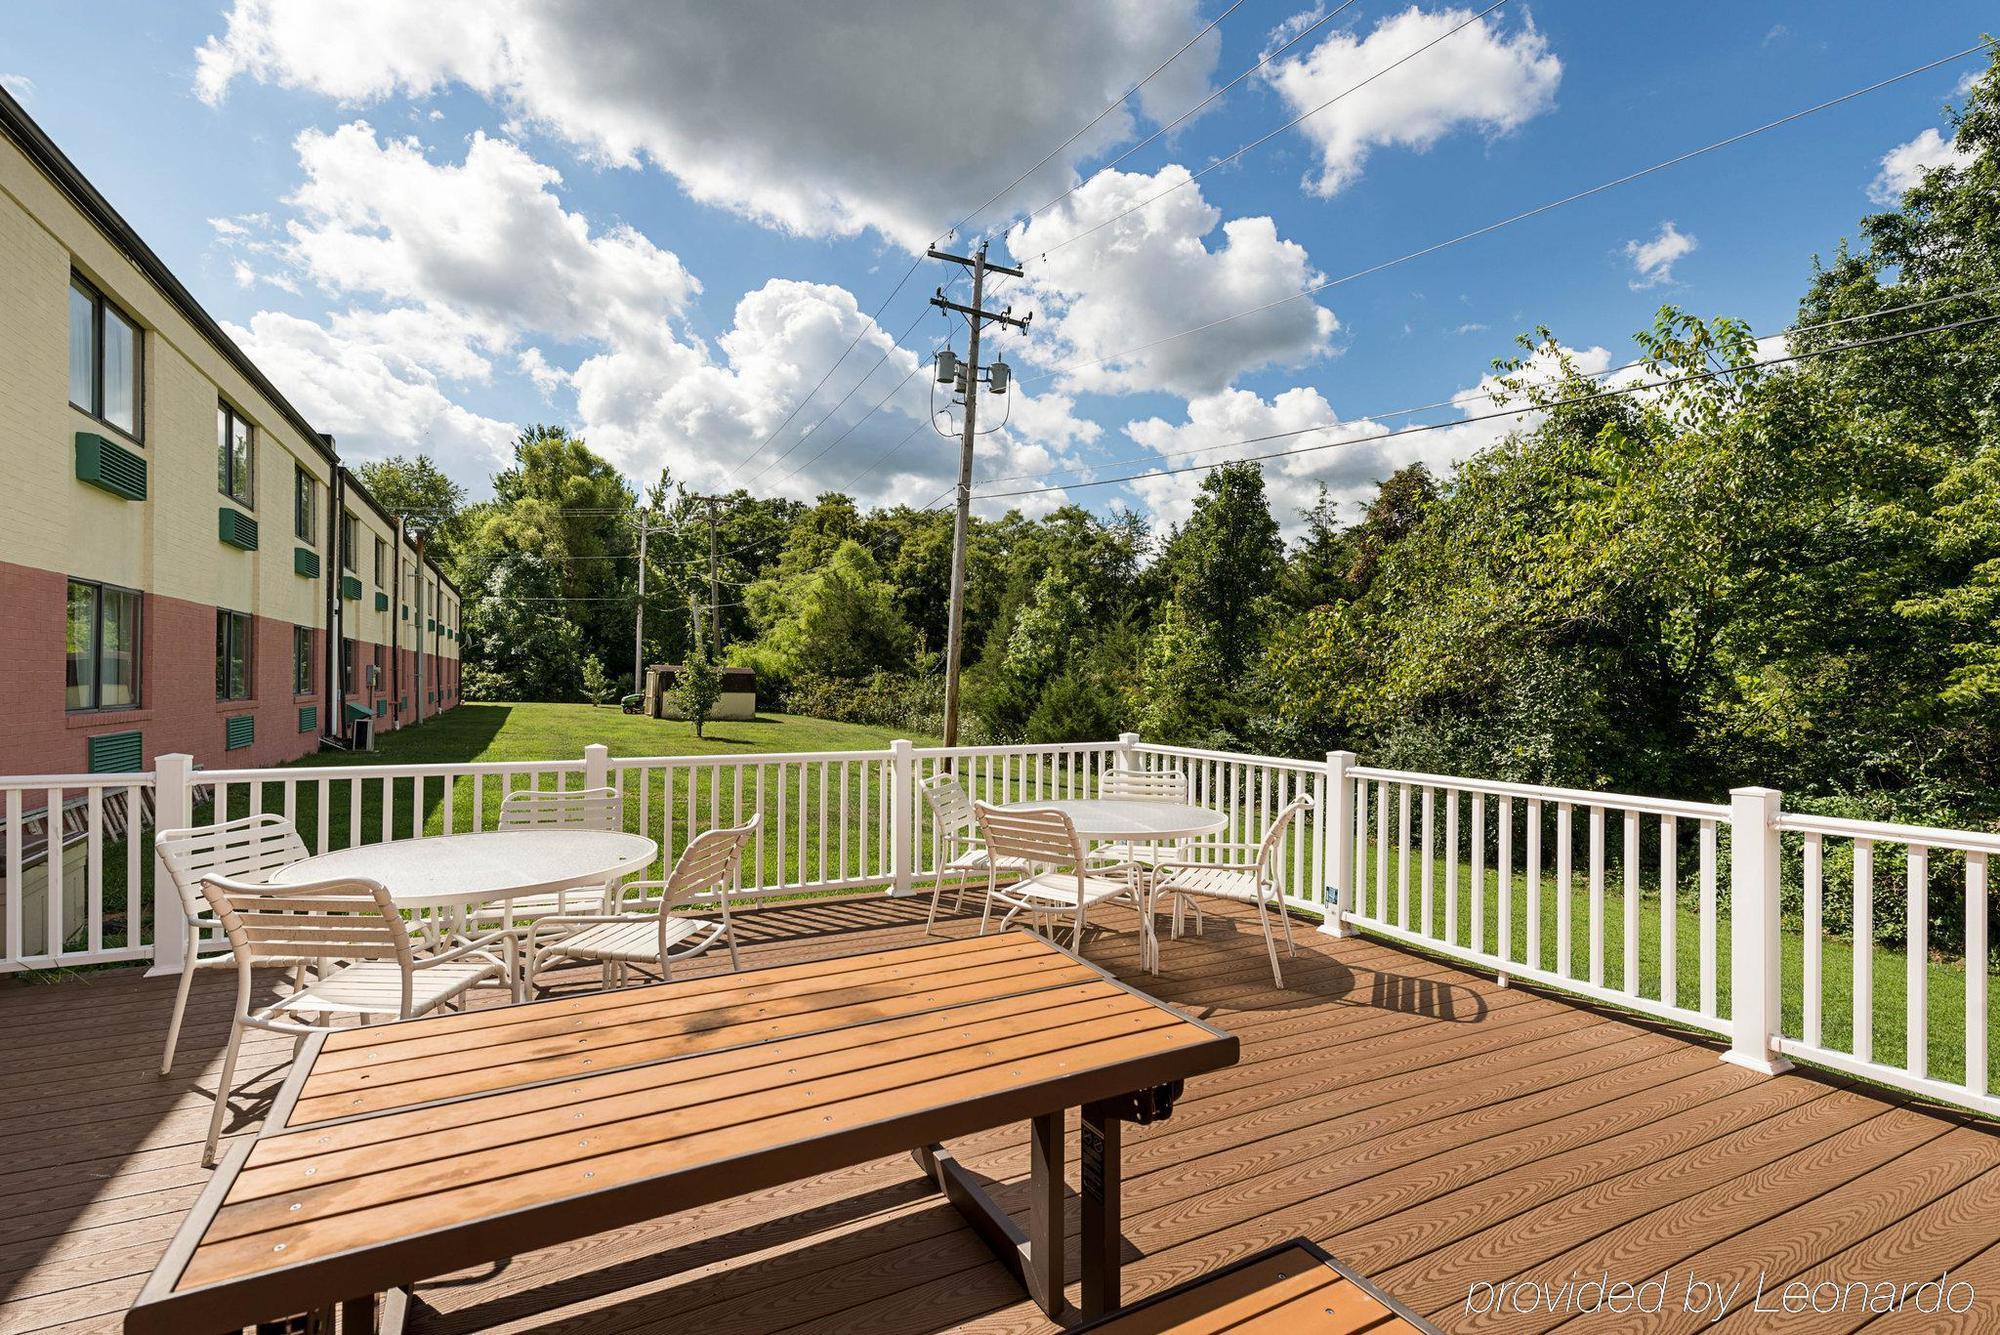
<point x="453" y="871"/>
<point x="1117" y="820"/>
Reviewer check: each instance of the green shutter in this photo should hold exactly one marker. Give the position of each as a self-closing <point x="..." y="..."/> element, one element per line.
<point x="350" y="586"/>
<point x="430" y="624"/>
<point x="236" y="528"/>
<point x="381" y="601"/>
<point x="305" y="561"/>
<point x="109" y="466"/>
<point x="308" y="718"/>
<point x="117" y="753"/>
<point x="238" y="731"/>
<point x="381" y="709"/>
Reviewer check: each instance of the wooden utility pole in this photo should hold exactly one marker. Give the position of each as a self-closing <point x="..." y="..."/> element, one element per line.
<point x="714" y="582"/>
<point x="639" y="621"/>
<point x="976" y="317"/>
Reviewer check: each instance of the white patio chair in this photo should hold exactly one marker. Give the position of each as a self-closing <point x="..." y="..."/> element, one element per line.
<point x="1141" y="785"/>
<point x="250" y="850"/>
<point x="1047" y="842"/>
<point x="552" y="809"/>
<point x="959" y="848"/>
<point x="350" y="934"/>
<point x="1254" y="882"/>
<point x="646" y="930"/>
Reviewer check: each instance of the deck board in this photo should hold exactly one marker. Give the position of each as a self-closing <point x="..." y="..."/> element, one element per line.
<point x="1425" y="1124"/>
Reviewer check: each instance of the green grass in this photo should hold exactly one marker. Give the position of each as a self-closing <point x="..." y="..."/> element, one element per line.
<point x="1945" y="977"/>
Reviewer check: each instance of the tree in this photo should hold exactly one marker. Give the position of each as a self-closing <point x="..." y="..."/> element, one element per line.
<point x="418" y="489"/>
<point x="595" y="688"/>
<point x="837" y="620"/>
<point x="699" y="685"/>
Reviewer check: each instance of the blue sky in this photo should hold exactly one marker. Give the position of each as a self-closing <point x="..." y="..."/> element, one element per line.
<point x="371" y="196"/>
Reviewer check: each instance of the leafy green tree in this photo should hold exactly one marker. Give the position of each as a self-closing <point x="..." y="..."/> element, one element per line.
<point x="699" y="684"/>
<point x="837" y="620"/>
<point x="596" y="687"/>
<point x="418" y="489"/>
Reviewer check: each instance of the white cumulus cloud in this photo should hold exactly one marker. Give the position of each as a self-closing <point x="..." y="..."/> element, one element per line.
<point x="1906" y="164"/>
<point x="1653" y="260"/>
<point x="1482" y="78"/>
<point x="819" y="119"/>
<point x="1153" y="273"/>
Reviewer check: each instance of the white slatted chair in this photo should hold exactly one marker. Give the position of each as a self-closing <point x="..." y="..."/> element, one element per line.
<point x="552" y="809"/>
<point x="1141" y="785"/>
<point x="959" y="848"/>
<point x="248" y="850"/>
<point x="349" y="933"/>
<point x="646" y="930"/>
<point x="1047" y="841"/>
<point x="1254" y="882"/>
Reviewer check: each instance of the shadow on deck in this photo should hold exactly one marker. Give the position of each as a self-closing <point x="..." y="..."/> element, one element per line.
<point x="1439" y="1132"/>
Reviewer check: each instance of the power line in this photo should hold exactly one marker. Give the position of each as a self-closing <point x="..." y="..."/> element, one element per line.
<point x="1509" y="221"/>
<point x="1474" y="395"/>
<point x="1422" y="428"/>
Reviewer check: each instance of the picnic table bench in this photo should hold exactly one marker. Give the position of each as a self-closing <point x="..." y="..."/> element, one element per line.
<point x="403" y="1151"/>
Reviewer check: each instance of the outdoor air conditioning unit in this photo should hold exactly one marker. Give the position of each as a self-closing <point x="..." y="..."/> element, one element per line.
<point x="363" y="738"/>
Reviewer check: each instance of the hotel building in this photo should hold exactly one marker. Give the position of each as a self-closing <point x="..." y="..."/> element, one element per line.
<point x="185" y="565"/>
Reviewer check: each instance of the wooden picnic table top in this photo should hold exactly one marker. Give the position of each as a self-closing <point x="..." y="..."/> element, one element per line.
<point x="411" y="1149"/>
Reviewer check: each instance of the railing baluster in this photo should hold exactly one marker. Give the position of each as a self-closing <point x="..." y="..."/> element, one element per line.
<point x="93" y="891"/>
<point x="1479" y="871"/>
<point x="1630" y="852"/>
<point x="388" y="807"/>
<point x="1451" y="865"/>
<point x="137" y="900"/>
<point x="1506" y="888"/>
<point x="479" y="804"/>
<point x="322" y="815"/>
<point x="1565" y="890"/>
<point x="13" y="930"/>
<point x="52" y="870"/>
<point x="1534" y="889"/>
<point x="1976" y="1069"/>
<point x="1864" y="949"/>
<point x="824" y="770"/>
<point x="1917" y="958"/>
<point x="354" y="813"/>
<point x="1669" y="912"/>
<point x="1596" y="895"/>
<point x="1382" y="846"/>
<point x="1812" y="939"/>
<point x="1427" y="880"/>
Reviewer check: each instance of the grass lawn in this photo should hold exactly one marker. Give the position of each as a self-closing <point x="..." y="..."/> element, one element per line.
<point x="1945" y="979"/>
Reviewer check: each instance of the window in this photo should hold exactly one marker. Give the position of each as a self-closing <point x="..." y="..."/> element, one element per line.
<point x="381" y="664"/>
<point x="302" y="660"/>
<point x="104" y="352"/>
<point x="381" y="562"/>
<point x="233" y="454"/>
<point x="346" y="666"/>
<point x="305" y="505"/>
<point x="232" y="655"/>
<point x="103" y="647"/>
<point x="346" y="540"/>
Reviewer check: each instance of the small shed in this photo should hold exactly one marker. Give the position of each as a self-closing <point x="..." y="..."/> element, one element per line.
<point x="739" y="692"/>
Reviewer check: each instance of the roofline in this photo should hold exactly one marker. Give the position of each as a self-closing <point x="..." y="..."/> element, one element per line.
<point x="55" y="164"/>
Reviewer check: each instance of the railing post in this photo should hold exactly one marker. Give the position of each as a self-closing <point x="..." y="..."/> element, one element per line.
<point x="1756" y="1004"/>
<point x="1336" y="833"/>
<point x="173" y="809"/>
<point x="1128" y="744"/>
<point x="597" y="766"/>
<point x="902" y="815"/>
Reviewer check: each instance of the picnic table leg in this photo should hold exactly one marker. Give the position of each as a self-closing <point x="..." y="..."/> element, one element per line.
<point x="1034" y="1257"/>
<point x="1101" y="1176"/>
<point x="375" y="1314"/>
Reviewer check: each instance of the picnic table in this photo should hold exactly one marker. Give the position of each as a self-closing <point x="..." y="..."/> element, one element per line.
<point x="403" y="1151"/>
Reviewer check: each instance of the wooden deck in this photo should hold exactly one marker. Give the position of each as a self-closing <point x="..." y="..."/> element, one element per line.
<point x="1432" y="1129"/>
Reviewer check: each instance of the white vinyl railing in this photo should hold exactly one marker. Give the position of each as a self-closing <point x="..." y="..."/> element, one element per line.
<point x="1665" y="907"/>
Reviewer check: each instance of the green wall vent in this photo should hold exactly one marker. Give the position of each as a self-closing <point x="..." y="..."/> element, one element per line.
<point x="117" y="753"/>
<point x="308" y="717"/>
<point x="238" y="731"/>
<point x="430" y="624"/>
<point x="109" y="466"/>
<point x="381" y="709"/>
<point x="305" y="561"/>
<point x="381" y="601"/>
<point x="406" y="611"/>
<point x="350" y="586"/>
<point x="236" y="528"/>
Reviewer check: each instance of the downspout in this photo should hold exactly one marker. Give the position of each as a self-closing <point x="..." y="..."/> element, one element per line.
<point x="395" y="621"/>
<point x="333" y="724"/>
<point x="417" y="629"/>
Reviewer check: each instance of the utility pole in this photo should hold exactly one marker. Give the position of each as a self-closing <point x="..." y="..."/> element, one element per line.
<point x="714" y="587"/>
<point x="966" y="379"/>
<point x="639" y="622"/>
